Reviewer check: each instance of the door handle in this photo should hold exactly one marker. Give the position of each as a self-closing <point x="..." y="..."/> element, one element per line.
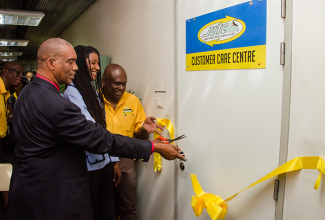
<point x="182" y="165"/>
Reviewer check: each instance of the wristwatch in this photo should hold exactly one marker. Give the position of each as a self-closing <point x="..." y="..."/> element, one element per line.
<point x="142" y="126"/>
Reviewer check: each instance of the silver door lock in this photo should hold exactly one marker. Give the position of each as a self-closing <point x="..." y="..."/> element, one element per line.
<point x="182" y="165"/>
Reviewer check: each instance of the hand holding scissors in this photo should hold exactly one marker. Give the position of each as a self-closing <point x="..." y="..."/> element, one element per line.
<point x="168" y="141"/>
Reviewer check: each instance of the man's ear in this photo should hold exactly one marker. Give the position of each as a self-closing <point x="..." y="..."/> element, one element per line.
<point x="50" y="63"/>
<point x="5" y="71"/>
<point x="103" y="80"/>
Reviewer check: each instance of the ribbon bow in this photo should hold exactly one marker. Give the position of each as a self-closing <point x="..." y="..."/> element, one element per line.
<point x="217" y="208"/>
<point x="165" y="123"/>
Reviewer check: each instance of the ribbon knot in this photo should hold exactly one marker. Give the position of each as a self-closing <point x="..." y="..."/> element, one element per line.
<point x="198" y="204"/>
<point x="215" y="205"/>
<point x="165" y="123"/>
<point x="321" y="169"/>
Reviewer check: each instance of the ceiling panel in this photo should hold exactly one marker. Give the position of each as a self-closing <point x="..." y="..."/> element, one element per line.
<point x="58" y="15"/>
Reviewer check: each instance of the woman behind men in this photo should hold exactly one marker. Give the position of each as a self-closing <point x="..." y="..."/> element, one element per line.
<point x="103" y="170"/>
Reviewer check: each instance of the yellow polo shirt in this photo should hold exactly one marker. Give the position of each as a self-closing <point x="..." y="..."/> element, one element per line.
<point x="4" y="95"/>
<point x="128" y="116"/>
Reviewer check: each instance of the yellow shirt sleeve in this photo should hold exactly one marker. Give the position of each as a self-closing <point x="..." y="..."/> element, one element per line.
<point x="140" y="116"/>
<point x="3" y="114"/>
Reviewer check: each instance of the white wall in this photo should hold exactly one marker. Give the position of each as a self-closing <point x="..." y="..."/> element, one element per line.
<point x="307" y="115"/>
<point x="138" y="35"/>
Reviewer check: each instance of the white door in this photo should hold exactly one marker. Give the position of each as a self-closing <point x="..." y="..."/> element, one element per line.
<point x="232" y="120"/>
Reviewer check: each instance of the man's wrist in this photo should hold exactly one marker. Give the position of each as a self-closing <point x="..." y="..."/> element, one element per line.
<point x="152" y="147"/>
<point x="142" y="126"/>
<point x="157" y="147"/>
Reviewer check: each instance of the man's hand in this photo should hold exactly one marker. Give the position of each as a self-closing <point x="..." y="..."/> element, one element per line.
<point x="117" y="174"/>
<point x="151" y="126"/>
<point x="168" y="151"/>
<point x="157" y="140"/>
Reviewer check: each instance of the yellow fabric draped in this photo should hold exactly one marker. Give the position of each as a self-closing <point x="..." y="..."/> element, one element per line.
<point x="169" y="126"/>
<point x="217" y="207"/>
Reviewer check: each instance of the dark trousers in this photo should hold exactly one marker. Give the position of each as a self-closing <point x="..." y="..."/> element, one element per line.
<point x="6" y="157"/>
<point x="2" y="210"/>
<point x="125" y="192"/>
<point x="102" y="193"/>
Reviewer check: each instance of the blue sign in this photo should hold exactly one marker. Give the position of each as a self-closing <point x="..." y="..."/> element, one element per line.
<point x="242" y="25"/>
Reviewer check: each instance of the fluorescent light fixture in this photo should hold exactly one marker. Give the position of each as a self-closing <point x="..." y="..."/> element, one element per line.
<point x="9" y="53"/>
<point x="8" y="60"/>
<point x="9" y="42"/>
<point x="20" y="17"/>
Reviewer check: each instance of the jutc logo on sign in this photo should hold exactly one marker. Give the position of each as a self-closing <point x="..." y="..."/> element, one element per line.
<point x="230" y="38"/>
<point x="221" y="31"/>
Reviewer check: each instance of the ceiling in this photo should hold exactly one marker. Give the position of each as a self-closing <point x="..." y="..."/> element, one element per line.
<point x="58" y="15"/>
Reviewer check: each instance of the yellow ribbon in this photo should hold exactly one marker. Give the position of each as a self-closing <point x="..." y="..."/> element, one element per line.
<point x="217" y="208"/>
<point x="165" y="123"/>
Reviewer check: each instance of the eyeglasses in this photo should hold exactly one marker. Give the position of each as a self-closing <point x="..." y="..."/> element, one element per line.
<point x="18" y="72"/>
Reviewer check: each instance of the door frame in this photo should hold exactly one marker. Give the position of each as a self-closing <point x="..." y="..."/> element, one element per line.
<point x="285" y="120"/>
<point x="176" y="162"/>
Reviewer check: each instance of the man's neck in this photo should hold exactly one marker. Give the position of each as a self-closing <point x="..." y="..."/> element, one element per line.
<point x="111" y="101"/>
<point x="48" y="76"/>
<point x="56" y="85"/>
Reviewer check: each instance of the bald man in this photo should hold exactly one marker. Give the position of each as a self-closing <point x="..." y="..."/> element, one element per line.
<point x="125" y="116"/>
<point x="50" y="178"/>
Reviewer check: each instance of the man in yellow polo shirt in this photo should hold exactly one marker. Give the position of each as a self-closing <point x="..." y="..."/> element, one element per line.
<point x="125" y="116"/>
<point x="10" y="77"/>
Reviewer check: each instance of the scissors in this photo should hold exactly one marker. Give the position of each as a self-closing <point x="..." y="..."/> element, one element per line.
<point x="167" y="141"/>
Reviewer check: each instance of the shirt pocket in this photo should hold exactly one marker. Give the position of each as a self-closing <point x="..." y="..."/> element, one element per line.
<point x="128" y="123"/>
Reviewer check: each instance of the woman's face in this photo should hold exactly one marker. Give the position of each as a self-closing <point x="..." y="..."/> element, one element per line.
<point x="94" y="65"/>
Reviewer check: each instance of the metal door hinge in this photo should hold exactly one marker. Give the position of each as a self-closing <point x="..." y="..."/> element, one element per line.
<point x="276" y="190"/>
<point x="283" y="8"/>
<point x="282" y="53"/>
